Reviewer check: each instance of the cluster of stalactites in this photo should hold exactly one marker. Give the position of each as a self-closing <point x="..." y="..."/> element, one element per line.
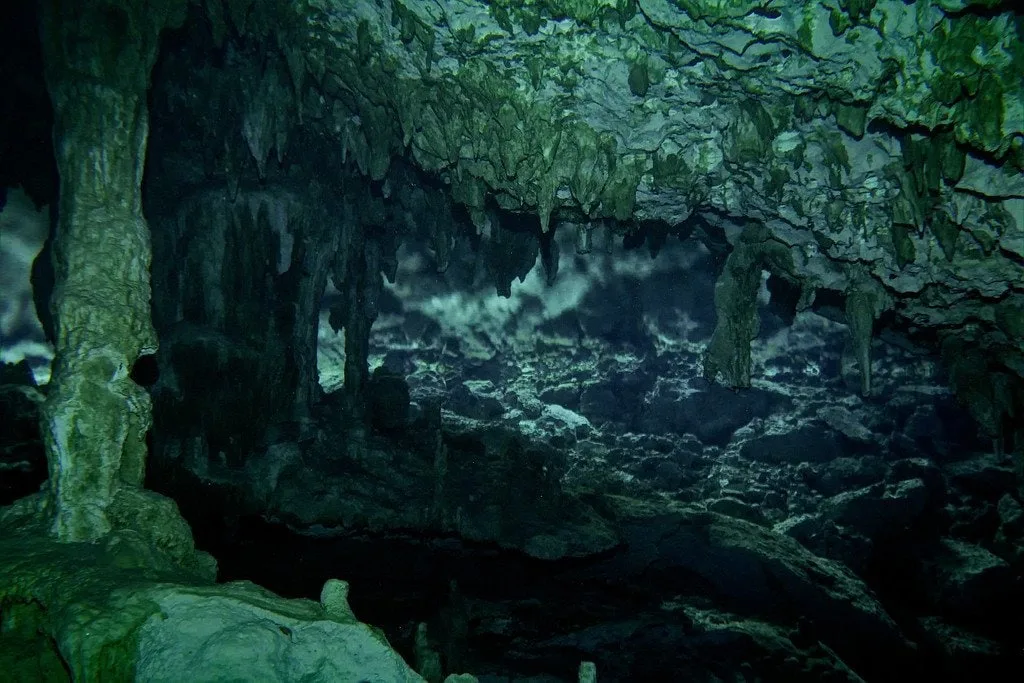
<point x="727" y="357"/>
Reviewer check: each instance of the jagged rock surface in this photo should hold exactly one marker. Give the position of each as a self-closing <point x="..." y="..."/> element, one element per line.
<point x="879" y="145"/>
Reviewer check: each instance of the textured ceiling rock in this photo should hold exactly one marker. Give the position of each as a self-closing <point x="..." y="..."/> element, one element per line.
<point x="880" y="143"/>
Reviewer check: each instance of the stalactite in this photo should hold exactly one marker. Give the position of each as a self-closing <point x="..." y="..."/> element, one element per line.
<point x="265" y="121"/>
<point x="549" y="255"/>
<point x="864" y="304"/>
<point x="356" y="274"/>
<point x="314" y="252"/>
<point x="509" y="254"/>
<point x="727" y="358"/>
<point x="584" y="238"/>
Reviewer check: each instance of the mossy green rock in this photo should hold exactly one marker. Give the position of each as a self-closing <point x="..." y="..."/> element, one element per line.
<point x="113" y="611"/>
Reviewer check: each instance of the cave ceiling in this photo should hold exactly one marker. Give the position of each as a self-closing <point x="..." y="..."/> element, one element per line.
<point x="869" y="148"/>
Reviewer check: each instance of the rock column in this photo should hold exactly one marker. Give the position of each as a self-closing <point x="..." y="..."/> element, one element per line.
<point x="98" y="57"/>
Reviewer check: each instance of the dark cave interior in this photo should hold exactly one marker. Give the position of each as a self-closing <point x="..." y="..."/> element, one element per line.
<point x="508" y="433"/>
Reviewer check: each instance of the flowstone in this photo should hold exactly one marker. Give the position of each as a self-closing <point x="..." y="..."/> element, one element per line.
<point x="115" y="611"/>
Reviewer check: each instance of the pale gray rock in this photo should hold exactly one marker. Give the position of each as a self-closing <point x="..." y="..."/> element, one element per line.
<point x="240" y="632"/>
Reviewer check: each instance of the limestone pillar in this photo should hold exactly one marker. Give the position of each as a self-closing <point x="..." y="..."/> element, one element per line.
<point x="98" y="57"/>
